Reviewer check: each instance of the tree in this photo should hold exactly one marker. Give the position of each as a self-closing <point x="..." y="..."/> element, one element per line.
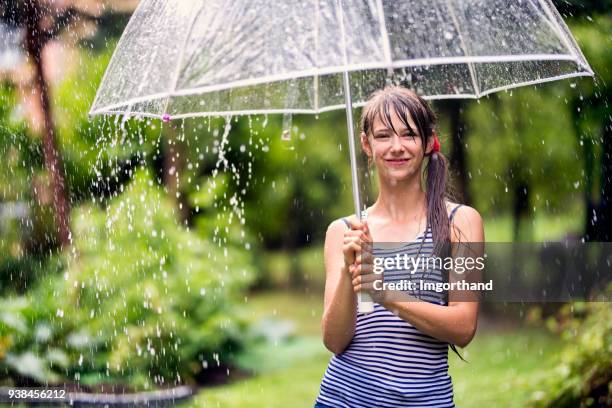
<point x="29" y="14"/>
<point x="43" y="21"/>
<point x="592" y="26"/>
<point x="455" y="111"/>
<point x="593" y="122"/>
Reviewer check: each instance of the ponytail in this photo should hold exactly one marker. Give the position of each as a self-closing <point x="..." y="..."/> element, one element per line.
<point x="437" y="174"/>
<point x="437" y="216"/>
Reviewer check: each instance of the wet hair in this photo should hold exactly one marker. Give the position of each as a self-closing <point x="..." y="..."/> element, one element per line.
<point x="408" y="104"/>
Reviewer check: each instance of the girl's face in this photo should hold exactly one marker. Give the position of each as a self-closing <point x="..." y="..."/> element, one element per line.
<point x="398" y="155"/>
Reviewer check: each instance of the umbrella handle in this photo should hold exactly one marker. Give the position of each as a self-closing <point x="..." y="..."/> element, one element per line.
<point x="364" y="301"/>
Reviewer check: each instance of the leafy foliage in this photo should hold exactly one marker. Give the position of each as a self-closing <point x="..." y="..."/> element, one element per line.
<point x="141" y="299"/>
<point x="583" y="375"/>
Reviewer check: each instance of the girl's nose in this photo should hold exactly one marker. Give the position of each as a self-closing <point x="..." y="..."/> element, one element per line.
<point x="396" y="142"/>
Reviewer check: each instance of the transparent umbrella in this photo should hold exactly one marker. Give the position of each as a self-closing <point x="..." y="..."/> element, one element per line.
<point x="179" y="59"/>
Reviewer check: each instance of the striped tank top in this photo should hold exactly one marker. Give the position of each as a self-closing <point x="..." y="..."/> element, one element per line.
<point x="389" y="362"/>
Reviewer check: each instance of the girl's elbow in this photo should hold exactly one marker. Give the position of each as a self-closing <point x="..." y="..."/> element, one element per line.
<point x="463" y="342"/>
<point x="466" y="337"/>
<point x="333" y="346"/>
<point x="334" y="343"/>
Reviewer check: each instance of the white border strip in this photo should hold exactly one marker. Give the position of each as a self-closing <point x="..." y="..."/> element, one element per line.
<point x="113" y="111"/>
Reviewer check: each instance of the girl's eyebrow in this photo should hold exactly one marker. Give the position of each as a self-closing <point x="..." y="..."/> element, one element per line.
<point x="387" y="131"/>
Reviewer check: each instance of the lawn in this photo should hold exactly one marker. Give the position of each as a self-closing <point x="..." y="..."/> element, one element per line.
<point x="503" y="363"/>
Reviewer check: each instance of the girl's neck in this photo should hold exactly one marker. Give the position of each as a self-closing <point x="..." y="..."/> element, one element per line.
<point x="400" y="202"/>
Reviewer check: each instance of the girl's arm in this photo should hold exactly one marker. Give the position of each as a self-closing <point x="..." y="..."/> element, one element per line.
<point x="340" y="308"/>
<point x="455" y="323"/>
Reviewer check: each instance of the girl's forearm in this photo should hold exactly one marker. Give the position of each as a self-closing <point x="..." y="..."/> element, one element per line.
<point x="451" y="324"/>
<point x="338" y="322"/>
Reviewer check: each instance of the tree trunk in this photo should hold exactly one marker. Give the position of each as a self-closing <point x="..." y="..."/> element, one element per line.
<point x="173" y="151"/>
<point x="520" y="180"/>
<point x="604" y="222"/>
<point x="35" y="42"/>
<point x="520" y="209"/>
<point x="291" y="241"/>
<point x="588" y="154"/>
<point x="458" y="161"/>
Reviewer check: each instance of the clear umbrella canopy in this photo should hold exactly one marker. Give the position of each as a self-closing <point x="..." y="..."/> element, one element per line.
<point x="216" y="57"/>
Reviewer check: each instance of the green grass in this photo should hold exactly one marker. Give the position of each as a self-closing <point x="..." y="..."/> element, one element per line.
<point x="502" y="364"/>
<point x="502" y="367"/>
<point x="544" y="227"/>
<point x="303" y="309"/>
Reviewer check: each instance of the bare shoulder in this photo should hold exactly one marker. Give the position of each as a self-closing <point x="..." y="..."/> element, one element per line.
<point x="336" y="226"/>
<point x="463" y="211"/>
<point x="467" y="223"/>
<point x="332" y="252"/>
<point x="335" y="230"/>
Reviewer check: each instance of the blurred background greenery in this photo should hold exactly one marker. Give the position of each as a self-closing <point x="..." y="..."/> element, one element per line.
<point x="144" y="255"/>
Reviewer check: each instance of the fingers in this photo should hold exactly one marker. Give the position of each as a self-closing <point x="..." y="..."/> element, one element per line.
<point x="354" y="225"/>
<point x="355" y="253"/>
<point x="364" y="256"/>
<point x="369" y="283"/>
<point x="359" y="258"/>
<point x="351" y="249"/>
<point x="361" y="225"/>
<point x="366" y="230"/>
<point x="357" y="235"/>
<point x="356" y="246"/>
<point x="361" y="269"/>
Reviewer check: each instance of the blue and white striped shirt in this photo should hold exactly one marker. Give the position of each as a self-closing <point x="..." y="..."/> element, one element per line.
<point x="389" y="362"/>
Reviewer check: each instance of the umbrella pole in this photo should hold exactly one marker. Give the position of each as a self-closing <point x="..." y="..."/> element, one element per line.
<point x="364" y="300"/>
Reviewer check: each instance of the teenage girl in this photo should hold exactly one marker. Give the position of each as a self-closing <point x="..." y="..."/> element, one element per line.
<point x="396" y="356"/>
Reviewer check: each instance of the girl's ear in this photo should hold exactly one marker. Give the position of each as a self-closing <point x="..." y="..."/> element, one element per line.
<point x="429" y="145"/>
<point x="365" y="144"/>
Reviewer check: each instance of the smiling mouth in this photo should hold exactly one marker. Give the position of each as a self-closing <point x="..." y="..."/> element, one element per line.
<point x="396" y="161"/>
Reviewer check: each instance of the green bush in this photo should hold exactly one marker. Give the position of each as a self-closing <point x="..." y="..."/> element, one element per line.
<point x="583" y="376"/>
<point x="141" y="300"/>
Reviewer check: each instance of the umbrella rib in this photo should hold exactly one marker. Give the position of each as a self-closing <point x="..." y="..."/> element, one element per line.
<point x="112" y="110"/>
<point x="106" y="74"/>
<point x="180" y="60"/>
<point x="385" y="37"/>
<point x="561" y="34"/>
<point x="340" y="69"/>
<point x="465" y="48"/>
<point x="316" y="56"/>
<point x="342" y="34"/>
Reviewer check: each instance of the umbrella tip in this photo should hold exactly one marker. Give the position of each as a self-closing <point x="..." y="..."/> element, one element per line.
<point x="166" y="117"/>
